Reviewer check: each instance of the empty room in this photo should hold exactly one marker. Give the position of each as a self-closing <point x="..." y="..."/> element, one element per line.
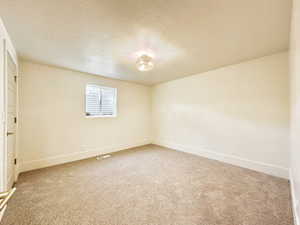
<point x="163" y="112"/>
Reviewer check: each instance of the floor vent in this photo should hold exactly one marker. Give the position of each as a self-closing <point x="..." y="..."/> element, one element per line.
<point x="100" y="157"/>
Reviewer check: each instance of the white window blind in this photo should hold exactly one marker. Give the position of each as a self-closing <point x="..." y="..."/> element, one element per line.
<point x="101" y="101"/>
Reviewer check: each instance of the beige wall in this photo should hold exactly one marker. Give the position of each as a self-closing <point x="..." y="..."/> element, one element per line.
<point x="238" y="114"/>
<point x="53" y="126"/>
<point x="295" y="106"/>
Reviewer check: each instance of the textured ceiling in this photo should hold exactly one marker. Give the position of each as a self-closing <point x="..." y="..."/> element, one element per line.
<point x="186" y="37"/>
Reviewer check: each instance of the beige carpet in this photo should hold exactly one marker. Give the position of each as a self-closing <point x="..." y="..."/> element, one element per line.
<point x="149" y="186"/>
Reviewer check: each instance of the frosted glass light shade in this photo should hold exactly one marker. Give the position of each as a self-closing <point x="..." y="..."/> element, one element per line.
<point x="144" y="63"/>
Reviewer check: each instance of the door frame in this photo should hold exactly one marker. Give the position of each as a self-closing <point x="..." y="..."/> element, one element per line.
<point x="2" y="116"/>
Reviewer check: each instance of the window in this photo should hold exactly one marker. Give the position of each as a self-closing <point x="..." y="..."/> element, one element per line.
<point x="100" y="101"/>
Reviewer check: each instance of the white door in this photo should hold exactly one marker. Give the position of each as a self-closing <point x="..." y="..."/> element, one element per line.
<point x="11" y="120"/>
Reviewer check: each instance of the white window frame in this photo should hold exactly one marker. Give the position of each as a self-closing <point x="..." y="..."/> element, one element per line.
<point x="102" y="87"/>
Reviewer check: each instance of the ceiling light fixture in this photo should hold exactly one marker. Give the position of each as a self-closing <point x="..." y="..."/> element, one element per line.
<point x="144" y="63"/>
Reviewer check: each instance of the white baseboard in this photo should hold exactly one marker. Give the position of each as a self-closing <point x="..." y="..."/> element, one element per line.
<point x="295" y="201"/>
<point x="234" y="160"/>
<point x="92" y="152"/>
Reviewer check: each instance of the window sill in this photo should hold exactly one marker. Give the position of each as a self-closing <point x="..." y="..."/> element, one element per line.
<point x="99" y="116"/>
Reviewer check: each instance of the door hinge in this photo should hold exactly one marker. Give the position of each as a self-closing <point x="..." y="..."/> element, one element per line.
<point x="9" y="133"/>
<point x="15" y="161"/>
<point x="15" y="119"/>
<point x="15" y="78"/>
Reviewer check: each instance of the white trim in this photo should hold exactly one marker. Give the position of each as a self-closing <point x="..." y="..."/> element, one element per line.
<point x="9" y="44"/>
<point x="92" y="152"/>
<point x="295" y="202"/>
<point x="2" y="116"/>
<point x="100" y="116"/>
<point x="234" y="160"/>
